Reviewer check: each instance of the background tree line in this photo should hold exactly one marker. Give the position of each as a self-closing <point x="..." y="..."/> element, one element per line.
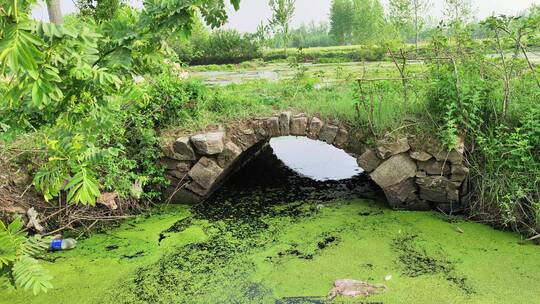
<point x="215" y="47"/>
<point x="351" y="22"/>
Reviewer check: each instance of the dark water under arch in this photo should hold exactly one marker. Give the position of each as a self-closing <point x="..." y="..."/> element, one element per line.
<point x="273" y="183"/>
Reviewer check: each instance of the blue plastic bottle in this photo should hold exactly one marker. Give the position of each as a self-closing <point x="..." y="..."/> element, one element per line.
<point x="63" y="244"/>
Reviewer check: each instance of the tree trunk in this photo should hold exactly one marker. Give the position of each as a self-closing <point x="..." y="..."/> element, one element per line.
<point x="285" y="39"/>
<point x="416" y="25"/>
<point x="55" y="14"/>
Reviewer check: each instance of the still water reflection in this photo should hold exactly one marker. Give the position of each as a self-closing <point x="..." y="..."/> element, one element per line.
<point x="315" y="159"/>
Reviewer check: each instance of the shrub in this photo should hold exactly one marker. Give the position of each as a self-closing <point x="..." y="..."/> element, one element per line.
<point x="166" y="101"/>
<point x="334" y="54"/>
<point x="508" y="173"/>
<point x="467" y="97"/>
<point x="171" y="99"/>
<point x="193" y="48"/>
<point x="312" y="35"/>
<point x="218" y="47"/>
<point x="124" y="149"/>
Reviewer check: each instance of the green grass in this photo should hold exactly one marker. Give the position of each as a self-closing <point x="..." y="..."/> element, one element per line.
<point x="334" y="102"/>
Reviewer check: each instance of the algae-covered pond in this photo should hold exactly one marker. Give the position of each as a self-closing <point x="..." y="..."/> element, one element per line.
<point x="277" y="237"/>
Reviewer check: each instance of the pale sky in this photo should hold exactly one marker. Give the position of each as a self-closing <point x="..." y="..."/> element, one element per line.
<point x="252" y="12"/>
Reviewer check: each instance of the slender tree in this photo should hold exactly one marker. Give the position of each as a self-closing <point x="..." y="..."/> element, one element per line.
<point x="400" y="15"/>
<point x="362" y="21"/>
<point x="420" y="8"/>
<point x="262" y="34"/>
<point x="55" y="14"/>
<point x="407" y="16"/>
<point x="369" y="21"/>
<point x="341" y="21"/>
<point x="458" y="11"/>
<point x="282" y="14"/>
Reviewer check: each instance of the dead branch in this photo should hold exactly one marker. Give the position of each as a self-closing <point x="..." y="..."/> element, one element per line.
<point x="179" y="187"/>
<point x="533" y="238"/>
<point x="401" y="70"/>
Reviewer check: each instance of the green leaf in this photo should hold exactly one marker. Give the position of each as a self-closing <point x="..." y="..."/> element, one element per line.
<point x="16" y="252"/>
<point x="83" y="188"/>
<point x="19" y="48"/>
<point x="49" y="181"/>
<point x="15" y="226"/>
<point x="34" y="245"/>
<point x="29" y="274"/>
<point x="9" y="245"/>
<point x="236" y="4"/>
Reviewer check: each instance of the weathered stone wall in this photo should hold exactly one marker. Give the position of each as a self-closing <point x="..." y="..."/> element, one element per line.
<point x="411" y="179"/>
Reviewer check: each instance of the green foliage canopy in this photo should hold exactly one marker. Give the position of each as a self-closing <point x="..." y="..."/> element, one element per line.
<point x="216" y="47"/>
<point x="70" y="82"/>
<point x="282" y="14"/>
<point x="341" y="21"/>
<point x="369" y="21"/>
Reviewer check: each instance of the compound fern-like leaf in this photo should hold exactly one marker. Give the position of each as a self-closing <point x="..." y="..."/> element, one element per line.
<point x="29" y="274"/>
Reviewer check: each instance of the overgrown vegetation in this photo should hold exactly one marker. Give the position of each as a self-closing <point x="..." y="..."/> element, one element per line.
<point x="493" y="103"/>
<point x="72" y="85"/>
<point x="356" y="53"/>
<point x="485" y="91"/>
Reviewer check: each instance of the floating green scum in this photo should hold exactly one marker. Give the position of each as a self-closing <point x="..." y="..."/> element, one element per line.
<point x="291" y="253"/>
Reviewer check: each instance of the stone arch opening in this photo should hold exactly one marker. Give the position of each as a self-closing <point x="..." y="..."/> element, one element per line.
<point x="268" y="175"/>
<point x="411" y="179"/>
<point x="196" y="165"/>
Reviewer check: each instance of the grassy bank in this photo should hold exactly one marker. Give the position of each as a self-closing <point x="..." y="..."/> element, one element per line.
<point x="328" y="90"/>
<point x="333" y="54"/>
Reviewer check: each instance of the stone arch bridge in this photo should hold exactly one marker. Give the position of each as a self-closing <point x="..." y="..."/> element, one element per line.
<point x="412" y="179"/>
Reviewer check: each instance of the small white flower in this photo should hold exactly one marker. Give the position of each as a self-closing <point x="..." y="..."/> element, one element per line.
<point x="183" y="75"/>
<point x="138" y="79"/>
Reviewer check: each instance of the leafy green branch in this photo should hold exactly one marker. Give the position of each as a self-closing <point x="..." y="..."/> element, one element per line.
<point x="17" y="257"/>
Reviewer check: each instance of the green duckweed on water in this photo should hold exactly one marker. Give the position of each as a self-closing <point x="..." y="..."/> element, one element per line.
<point x="291" y="253"/>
